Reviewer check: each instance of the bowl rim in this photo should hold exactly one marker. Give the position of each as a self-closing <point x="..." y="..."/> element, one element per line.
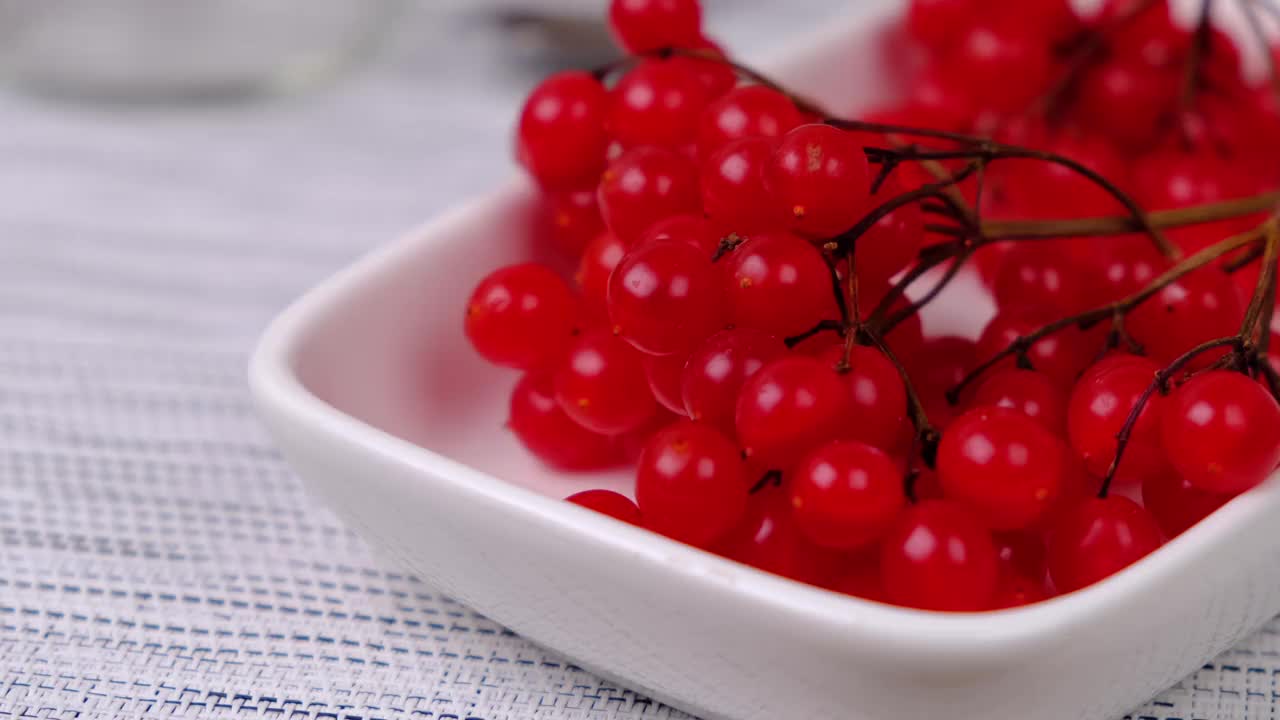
<point x="1004" y="634"/>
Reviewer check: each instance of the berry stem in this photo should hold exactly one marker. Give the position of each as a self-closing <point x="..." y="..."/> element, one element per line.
<point x="927" y="435"/>
<point x="1120" y="225"/>
<point x="1263" y="304"/>
<point x="1091" y="50"/>
<point x="1191" y="79"/>
<point x="1161" y="383"/>
<point x="1113" y="310"/>
<point x="821" y="327"/>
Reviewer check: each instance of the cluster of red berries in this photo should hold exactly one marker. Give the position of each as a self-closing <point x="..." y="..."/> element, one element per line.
<point x="707" y="336"/>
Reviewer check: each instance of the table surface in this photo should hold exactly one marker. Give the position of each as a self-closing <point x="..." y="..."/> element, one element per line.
<point x="157" y="556"/>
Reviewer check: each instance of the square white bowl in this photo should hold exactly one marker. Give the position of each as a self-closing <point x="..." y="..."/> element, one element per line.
<point x="373" y="394"/>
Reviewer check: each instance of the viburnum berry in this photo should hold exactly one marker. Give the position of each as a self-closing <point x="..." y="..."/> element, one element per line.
<point x="789" y="407"/>
<point x="521" y="316"/>
<point x="890" y="245"/>
<point x="691" y="484"/>
<point x="1028" y="392"/>
<point x="615" y="505"/>
<point x="1099" y="406"/>
<point x="664" y="373"/>
<point x="1020" y="553"/>
<point x="657" y="103"/>
<point x="716" y="370"/>
<point x="645" y="185"/>
<point x="746" y="112"/>
<point x="600" y="383"/>
<point x="561" y="137"/>
<point x="599" y="258"/>
<point x="941" y="363"/>
<point x="938" y="556"/>
<point x="767" y="538"/>
<point x="734" y="190"/>
<point x="1042" y="281"/>
<point x="1007" y="470"/>
<point x="1098" y="538"/>
<point x="689" y="229"/>
<point x="778" y="283"/>
<point x="642" y="26"/>
<point x="876" y="395"/>
<point x="933" y="23"/>
<point x="571" y="219"/>
<point x="1145" y="95"/>
<point x="1130" y="265"/>
<point x="665" y="298"/>
<point x="820" y="177"/>
<point x="860" y="577"/>
<point x="713" y="71"/>
<point x="1013" y="590"/>
<point x="1221" y="431"/>
<point x="1060" y="356"/>
<point x="845" y="495"/>
<point x="1176" y="504"/>
<point x="1191" y="310"/>
<point x="547" y="432"/>
<point x="1004" y="68"/>
<point x="1151" y="37"/>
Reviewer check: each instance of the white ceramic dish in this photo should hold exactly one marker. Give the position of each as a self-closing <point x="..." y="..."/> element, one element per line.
<point x="373" y="394"/>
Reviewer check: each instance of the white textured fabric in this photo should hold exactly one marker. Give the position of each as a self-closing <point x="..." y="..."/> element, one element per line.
<point x="157" y="556"/>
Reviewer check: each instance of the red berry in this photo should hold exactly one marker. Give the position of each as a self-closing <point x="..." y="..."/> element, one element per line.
<point x="1009" y="471"/>
<point x="549" y="433"/>
<point x="934" y="23"/>
<point x="861" y="577"/>
<point x="1144" y="94"/>
<point x="1221" y="431"/>
<point x="645" y="185"/>
<point x="767" y="539"/>
<point x="1098" y="538"/>
<point x="1028" y="392"/>
<point x="664" y="373"/>
<point x="734" y="192"/>
<point x="1020" y="553"/>
<point x="744" y="112"/>
<point x="1176" y="504"/>
<point x="641" y="26"/>
<point x="1098" y="408"/>
<point x="690" y="484"/>
<point x="688" y="229"/>
<point x="789" y="407"/>
<point x="1003" y="68"/>
<point x="893" y="242"/>
<point x="601" y="384"/>
<point x="778" y="283"/>
<point x="845" y="495"/>
<point x="716" y="370"/>
<point x="599" y="258"/>
<point x="665" y="298"/>
<point x="521" y="316"/>
<point x="714" y="72"/>
<point x="561" y="137"/>
<point x="940" y="365"/>
<point x="1060" y="356"/>
<point x="819" y="175"/>
<point x="1131" y="265"/>
<point x="1042" y="281"/>
<point x="1015" y="590"/>
<point x="938" y="556"/>
<point x="1193" y="309"/>
<point x="876" y="395"/>
<point x="1151" y="38"/>
<point x="608" y="502"/>
<point x="657" y="103"/>
<point x="571" y="219"/>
